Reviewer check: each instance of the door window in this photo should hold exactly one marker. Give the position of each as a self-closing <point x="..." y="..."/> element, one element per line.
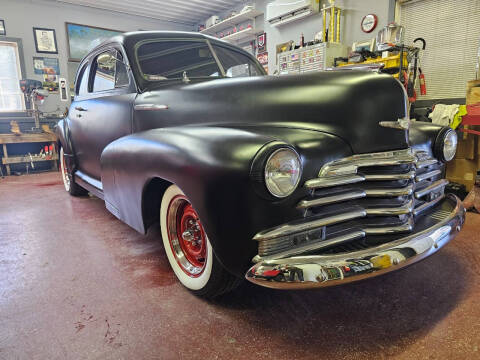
<point x="82" y="81"/>
<point x="109" y="71"/>
<point x="235" y="63"/>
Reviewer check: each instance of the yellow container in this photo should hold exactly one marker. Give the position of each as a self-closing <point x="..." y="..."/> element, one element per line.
<point x="389" y="61"/>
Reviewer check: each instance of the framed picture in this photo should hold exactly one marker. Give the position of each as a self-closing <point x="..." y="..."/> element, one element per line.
<point x="45" y="40"/>
<point x="2" y="28"/>
<point x="83" y="38"/>
<point x="43" y="65"/>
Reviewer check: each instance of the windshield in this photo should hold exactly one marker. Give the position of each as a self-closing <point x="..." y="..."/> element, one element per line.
<point x="171" y="59"/>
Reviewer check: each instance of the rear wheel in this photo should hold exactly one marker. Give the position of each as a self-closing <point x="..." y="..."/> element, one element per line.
<point x="188" y="249"/>
<point x="70" y="186"/>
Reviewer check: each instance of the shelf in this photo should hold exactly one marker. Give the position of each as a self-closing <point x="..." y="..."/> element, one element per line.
<point x="240" y="35"/>
<point x="26" y="138"/>
<point x="27" y="159"/>
<point x="232" y="21"/>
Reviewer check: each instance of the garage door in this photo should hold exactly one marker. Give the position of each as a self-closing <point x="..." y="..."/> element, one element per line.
<point x="451" y="29"/>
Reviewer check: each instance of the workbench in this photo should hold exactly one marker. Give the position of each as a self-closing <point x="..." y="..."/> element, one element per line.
<point x="6" y="139"/>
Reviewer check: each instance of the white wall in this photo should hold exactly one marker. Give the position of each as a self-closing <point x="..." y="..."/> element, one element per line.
<point x="353" y="12"/>
<point x="22" y="15"/>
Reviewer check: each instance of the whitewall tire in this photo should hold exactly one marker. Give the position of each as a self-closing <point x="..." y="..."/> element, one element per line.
<point x="188" y="249"/>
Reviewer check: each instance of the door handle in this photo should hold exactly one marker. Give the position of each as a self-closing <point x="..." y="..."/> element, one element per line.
<point x="79" y="108"/>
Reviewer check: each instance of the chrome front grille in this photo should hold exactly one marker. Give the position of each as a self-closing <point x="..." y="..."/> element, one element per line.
<point x="378" y="194"/>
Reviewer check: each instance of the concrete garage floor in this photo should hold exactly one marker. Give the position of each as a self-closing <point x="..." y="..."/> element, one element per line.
<point x="76" y="283"/>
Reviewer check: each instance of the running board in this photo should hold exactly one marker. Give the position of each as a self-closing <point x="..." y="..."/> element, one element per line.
<point x="89" y="183"/>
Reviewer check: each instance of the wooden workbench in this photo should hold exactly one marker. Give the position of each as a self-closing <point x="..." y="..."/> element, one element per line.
<point x="23" y="139"/>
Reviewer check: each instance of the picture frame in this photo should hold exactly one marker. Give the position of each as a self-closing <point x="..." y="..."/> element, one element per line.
<point x="45" y="40"/>
<point x="83" y="38"/>
<point x="3" y="31"/>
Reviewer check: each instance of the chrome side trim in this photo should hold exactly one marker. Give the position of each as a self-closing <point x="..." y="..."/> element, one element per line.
<point x="333" y="181"/>
<point x="288" y="229"/>
<point x="427" y="175"/>
<point x="357" y="194"/>
<point x="325" y="270"/>
<point x="150" y="107"/>
<point x="437" y="185"/>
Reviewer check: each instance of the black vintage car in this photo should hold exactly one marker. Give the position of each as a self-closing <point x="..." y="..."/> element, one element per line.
<point x="292" y="182"/>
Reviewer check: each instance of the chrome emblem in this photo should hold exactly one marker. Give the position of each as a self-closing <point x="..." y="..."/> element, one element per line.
<point x="401" y="124"/>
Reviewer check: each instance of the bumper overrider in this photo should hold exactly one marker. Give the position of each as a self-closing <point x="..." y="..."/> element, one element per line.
<point x="311" y="271"/>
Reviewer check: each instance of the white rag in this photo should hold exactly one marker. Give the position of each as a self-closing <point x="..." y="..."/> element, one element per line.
<point x="443" y="114"/>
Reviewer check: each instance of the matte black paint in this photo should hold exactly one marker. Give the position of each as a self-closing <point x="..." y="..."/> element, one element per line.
<point x="207" y="139"/>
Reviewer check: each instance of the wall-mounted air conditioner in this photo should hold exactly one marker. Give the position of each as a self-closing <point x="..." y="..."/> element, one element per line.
<point x="280" y="12"/>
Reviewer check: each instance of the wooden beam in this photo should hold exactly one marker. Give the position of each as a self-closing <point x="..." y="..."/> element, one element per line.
<point x="26" y="159"/>
<point x="27" y="138"/>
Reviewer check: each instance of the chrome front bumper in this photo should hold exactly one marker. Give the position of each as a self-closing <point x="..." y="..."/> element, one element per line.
<point x="325" y="270"/>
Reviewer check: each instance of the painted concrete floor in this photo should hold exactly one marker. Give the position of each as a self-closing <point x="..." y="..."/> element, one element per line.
<point x="76" y="283"/>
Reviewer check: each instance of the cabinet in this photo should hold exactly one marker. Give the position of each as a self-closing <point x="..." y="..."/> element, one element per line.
<point x="312" y="58"/>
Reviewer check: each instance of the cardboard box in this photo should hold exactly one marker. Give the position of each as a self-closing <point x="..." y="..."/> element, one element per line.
<point x="462" y="171"/>
<point x="466" y="148"/>
<point x="473" y="92"/>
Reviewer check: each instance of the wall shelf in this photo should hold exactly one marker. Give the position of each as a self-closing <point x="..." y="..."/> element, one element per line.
<point x="231" y="22"/>
<point x="245" y="34"/>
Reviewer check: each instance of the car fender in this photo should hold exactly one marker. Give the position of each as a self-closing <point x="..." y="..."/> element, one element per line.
<point x="212" y="166"/>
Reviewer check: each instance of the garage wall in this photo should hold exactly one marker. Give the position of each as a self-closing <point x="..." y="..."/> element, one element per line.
<point x="354" y="11"/>
<point x="22" y="15"/>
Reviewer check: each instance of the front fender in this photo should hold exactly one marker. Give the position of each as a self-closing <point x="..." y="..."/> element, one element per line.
<point x="212" y="167"/>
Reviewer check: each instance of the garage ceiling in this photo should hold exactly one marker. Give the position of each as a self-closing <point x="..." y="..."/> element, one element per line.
<point x="188" y="12"/>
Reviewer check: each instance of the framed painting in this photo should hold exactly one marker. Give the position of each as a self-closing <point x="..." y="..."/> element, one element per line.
<point x="45" y="40"/>
<point x="2" y="28"/>
<point x="83" y="38"/>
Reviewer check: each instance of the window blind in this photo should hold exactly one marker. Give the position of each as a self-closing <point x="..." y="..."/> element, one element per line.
<point x="11" y="97"/>
<point x="451" y="29"/>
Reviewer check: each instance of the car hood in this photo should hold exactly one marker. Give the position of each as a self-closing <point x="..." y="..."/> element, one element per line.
<point x="348" y="104"/>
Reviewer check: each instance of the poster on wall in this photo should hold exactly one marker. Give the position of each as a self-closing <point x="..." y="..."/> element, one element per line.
<point x="263" y="59"/>
<point x="43" y="65"/>
<point x="45" y="40"/>
<point x="2" y="28"/>
<point x="262" y="42"/>
<point x="50" y="82"/>
<point x="83" y="38"/>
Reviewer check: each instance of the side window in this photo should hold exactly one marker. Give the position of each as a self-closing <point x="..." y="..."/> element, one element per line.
<point x="82" y="81"/>
<point x="235" y="63"/>
<point x="110" y="71"/>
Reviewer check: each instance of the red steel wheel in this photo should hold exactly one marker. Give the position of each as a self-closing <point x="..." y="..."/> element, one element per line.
<point x="186" y="236"/>
<point x="188" y="248"/>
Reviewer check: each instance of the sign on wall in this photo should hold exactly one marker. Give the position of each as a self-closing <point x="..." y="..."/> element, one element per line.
<point x="43" y="65"/>
<point x="83" y="38"/>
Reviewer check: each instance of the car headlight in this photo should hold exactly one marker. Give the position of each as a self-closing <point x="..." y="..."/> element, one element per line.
<point x="446" y="144"/>
<point x="282" y="172"/>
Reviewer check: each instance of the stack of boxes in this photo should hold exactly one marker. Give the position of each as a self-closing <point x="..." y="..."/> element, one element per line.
<point x="463" y="169"/>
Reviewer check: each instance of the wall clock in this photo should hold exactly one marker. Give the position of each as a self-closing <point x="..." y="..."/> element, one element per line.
<point x="369" y="23"/>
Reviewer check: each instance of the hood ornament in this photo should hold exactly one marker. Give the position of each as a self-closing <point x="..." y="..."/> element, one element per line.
<point x="401" y="124"/>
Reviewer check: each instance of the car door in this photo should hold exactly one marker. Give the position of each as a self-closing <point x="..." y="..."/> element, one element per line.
<point x="103" y="113"/>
